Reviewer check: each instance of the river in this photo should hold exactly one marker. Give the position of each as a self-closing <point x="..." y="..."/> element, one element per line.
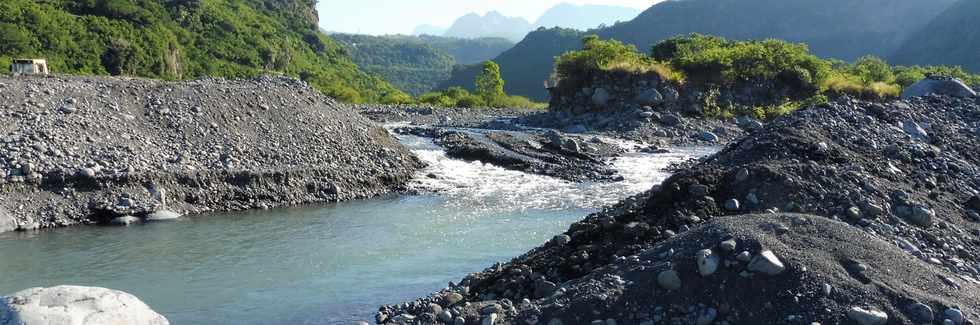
<point x="324" y="264"/>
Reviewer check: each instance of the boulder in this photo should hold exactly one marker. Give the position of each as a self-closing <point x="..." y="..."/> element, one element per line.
<point x="600" y="97"/>
<point x="939" y="86"/>
<point x="7" y="222"/>
<point x="649" y="97"/>
<point x="74" y="305"/>
<point x="671" y="120"/>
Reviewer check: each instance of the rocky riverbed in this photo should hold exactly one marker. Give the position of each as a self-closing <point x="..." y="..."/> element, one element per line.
<point x="98" y="150"/>
<point x="846" y="213"/>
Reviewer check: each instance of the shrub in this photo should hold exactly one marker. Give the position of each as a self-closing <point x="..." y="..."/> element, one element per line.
<point x="572" y="69"/>
<point x="489" y="84"/>
<point x="716" y="60"/>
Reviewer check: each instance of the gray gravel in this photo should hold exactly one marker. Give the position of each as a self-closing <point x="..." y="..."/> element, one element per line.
<point x="90" y="149"/>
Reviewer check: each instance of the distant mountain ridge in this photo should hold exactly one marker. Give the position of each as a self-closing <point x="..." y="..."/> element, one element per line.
<point x="417" y="64"/>
<point x="565" y="15"/>
<point x="951" y="38"/>
<point x="585" y="17"/>
<point x="842" y="29"/>
<point x="493" y="24"/>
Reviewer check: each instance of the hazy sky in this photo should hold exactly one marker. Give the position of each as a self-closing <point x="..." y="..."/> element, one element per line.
<point x="401" y="16"/>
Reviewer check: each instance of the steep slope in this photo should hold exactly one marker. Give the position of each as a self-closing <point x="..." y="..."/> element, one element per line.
<point x="840" y="29"/>
<point x="407" y="63"/>
<point x="527" y="65"/>
<point x="493" y="24"/>
<point x="418" y="64"/>
<point x="950" y="39"/>
<point x="184" y="39"/>
<point x="584" y="17"/>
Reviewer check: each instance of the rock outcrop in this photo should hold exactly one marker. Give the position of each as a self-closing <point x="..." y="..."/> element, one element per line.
<point x="74" y="305"/>
<point x="89" y="150"/>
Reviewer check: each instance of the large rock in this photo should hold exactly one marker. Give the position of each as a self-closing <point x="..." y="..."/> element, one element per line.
<point x="74" y="305"/>
<point x="650" y="97"/>
<point x="939" y="86"/>
<point x="7" y="222"/>
<point x="600" y="97"/>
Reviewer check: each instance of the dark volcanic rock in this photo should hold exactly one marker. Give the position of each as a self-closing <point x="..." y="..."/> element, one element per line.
<point x="554" y="154"/>
<point x="850" y="161"/>
<point x="76" y="150"/>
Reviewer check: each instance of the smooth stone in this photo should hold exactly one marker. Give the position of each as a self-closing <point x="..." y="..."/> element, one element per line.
<point x="954" y="315"/>
<point x="446" y="317"/>
<point x="915" y="130"/>
<point x="709" y="137"/>
<point x="163" y="215"/>
<point x="921" y="313"/>
<point x="732" y="205"/>
<point x="940" y="86"/>
<point x="766" y="262"/>
<point x="867" y="316"/>
<point x="707" y="262"/>
<point x="71" y="305"/>
<point x="728" y="246"/>
<point x="669" y="280"/>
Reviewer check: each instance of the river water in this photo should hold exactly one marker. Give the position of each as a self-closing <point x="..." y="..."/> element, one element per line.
<point x="325" y="264"/>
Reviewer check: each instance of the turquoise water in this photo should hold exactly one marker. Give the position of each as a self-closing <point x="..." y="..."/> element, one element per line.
<point x="327" y="264"/>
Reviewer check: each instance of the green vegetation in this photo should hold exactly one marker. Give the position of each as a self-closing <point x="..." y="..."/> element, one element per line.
<point x="182" y="39"/>
<point x="417" y="64"/>
<point x="793" y="75"/>
<point x="489" y="93"/>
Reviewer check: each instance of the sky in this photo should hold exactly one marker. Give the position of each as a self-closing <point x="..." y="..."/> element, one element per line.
<point x="379" y="17"/>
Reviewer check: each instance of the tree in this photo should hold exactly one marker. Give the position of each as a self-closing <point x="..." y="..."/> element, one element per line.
<point x="489" y="84"/>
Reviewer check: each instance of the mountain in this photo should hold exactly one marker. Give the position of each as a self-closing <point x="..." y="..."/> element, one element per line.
<point x="185" y="39"/>
<point x="525" y="68"/>
<point x="584" y="17"/>
<point x="842" y="29"/>
<point x="417" y="64"/>
<point x="429" y="30"/>
<point x="493" y="24"/>
<point x="950" y="39"/>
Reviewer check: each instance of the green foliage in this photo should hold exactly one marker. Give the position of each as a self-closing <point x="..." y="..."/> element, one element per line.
<point x="598" y="56"/>
<point x="716" y="60"/>
<point x="489" y="84"/>
<point x="182" y="39"/>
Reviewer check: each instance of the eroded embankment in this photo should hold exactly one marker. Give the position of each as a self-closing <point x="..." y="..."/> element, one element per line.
<point x="77" y="150"/>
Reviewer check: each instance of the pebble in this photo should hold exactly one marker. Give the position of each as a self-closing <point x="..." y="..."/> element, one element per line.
<point x="854" y="213"/>
<point x="766" y="262"/>
<point x="742" y="175"/>
<point x="669" y="280"/>
<point x="867" y="316"/>
<point x="562" y="240"/>
<point x="707" y="262"/>
<point x="446" y="317"/>
<point x="707" y="317"/>
<point x="709" y="137"/>
<point x="698" y="190"/>
<point x="87" y="172"/>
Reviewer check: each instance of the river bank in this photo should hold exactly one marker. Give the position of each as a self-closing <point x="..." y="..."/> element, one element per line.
<point x="81" y="150"/>
<point x="883" y="228"/>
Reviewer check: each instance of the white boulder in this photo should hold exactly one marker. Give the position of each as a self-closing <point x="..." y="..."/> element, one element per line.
<point x="74" y="305"/>
<point x="939" y="86"/>
<point x="163" y="215"/>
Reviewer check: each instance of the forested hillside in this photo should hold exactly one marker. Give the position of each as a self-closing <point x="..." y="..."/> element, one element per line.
<point x="951" y="39"/>
<point x="842" y="29"/>
<point x="181" y="39"/>
<point x="418" y="64"/>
